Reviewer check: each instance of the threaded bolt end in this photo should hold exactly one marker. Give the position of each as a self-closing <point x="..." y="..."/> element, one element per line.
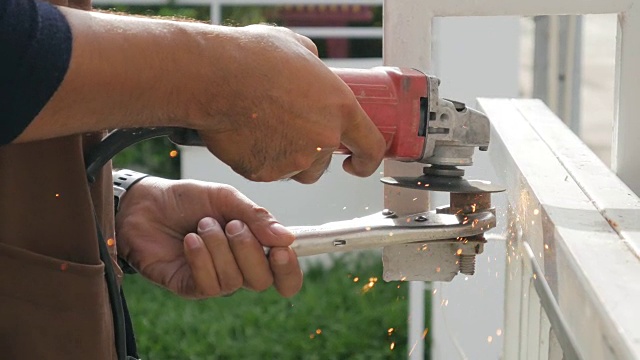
<point x="468" y="264"/>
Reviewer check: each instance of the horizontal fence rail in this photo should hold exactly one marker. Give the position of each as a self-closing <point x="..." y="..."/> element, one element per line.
<point x="573" y="270"/>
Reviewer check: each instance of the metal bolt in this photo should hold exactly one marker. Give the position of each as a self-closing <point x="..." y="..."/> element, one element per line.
<point x="420" y="218"/>
<point x="468" y="264"/>
<point x="388" y="213"/>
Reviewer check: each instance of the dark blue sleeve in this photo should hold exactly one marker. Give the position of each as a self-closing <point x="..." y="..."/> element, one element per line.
<point x="35" y="50"/>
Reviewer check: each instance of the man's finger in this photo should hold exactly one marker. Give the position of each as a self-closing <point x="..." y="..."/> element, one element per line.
<point x="287" y="275"/>
<point x="316" y="170"/>
<point x="215" y="240"/>
<point x="366" y="144"/>
<point x="202" y="269"/>
<point x="249" y="256"/>
<point x="261" y="222"/>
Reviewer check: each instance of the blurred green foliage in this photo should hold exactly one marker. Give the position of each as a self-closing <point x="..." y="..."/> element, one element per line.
<point x="342" y="312"/>
<point x="157" y="156"/>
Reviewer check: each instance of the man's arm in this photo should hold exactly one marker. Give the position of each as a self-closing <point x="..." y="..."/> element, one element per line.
<point x="124" y="72"/>
<point x="259" y="96"/>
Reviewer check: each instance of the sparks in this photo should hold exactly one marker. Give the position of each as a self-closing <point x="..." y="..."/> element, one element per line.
<point x="356" y="279"/>
<point x="318" y="331"/>
<point x="489" y="339"/>
<point x="318" y="149"/>
<point x="64" y="266"/>
<point x="173" y="153"/>
<point x="499" y="332"/>
<point x="536" y="211"/>
<point x="424" y="333"/>
<point x="390" y="331"/>
<point x="392" y="346"/>
<point x="459" y="252"/>
<point x="368" y="286"/>
<point x="57" y="195"/>
<point x="110" y="242"/>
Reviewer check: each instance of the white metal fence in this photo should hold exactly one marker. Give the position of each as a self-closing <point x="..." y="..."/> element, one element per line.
<point x="573" y="270"/>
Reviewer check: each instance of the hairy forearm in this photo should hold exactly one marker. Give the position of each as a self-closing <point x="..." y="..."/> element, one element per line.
<point x="124" y="72"/>
<point x="259" y="96"/>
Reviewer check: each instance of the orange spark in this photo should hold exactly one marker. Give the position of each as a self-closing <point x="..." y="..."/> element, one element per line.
<point x="173" y="153"/>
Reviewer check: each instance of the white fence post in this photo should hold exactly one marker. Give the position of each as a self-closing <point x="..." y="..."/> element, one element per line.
<point x="626" y="132"/>
<point x="407" y="43"/>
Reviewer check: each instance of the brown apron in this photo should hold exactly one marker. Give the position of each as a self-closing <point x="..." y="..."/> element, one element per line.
<point x="53" y="297"/>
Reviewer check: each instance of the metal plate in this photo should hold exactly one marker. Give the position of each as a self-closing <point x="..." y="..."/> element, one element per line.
<point x="443" y="183"/>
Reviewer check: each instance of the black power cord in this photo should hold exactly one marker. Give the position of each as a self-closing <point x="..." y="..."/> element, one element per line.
<point x="97" y="158"/>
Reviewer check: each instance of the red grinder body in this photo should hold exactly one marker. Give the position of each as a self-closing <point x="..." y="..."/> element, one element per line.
<point x="396" y="100"/>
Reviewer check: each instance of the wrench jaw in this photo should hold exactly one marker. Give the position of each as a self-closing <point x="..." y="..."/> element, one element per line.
<point x="442" y="260"/>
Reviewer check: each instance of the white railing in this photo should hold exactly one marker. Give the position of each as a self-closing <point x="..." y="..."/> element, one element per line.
<point x="537" y="325"/>
<point x="625" y="145"/>
<point x="573" y="270"/>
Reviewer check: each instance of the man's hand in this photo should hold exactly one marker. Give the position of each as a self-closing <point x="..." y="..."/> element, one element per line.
<point x="202" y="239"/>
<point x="280" y="111"/>
<point x="259" y="96"/>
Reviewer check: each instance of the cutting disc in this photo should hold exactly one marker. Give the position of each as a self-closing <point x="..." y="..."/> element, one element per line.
<point x="452" y="184"/>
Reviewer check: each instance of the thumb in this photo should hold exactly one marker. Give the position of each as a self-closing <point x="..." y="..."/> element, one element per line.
<point x="268" y="231"/>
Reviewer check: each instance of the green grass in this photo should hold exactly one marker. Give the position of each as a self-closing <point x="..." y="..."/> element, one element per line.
<point x="333" y="317"/>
